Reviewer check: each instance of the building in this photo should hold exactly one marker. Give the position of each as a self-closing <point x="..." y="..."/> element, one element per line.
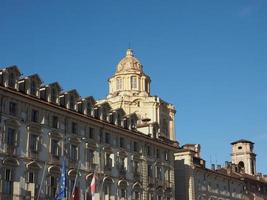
<point x="40" y="125"/>
<point x="236" y="180"/>
<point x="129" y="89"/>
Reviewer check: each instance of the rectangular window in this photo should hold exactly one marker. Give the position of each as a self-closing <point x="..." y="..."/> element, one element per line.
<point x="74" y="152"/>
<point x="55" y="150"/>
<point x="12" y="108"/>
<point x="133" y="82"/>
<point x="11" y="137"/>
<point x="54" y="122"/>
<point x="53" y="95"/>
<point x="8" y="183"/>
<point x="107" y="138"/>
<point x="32" y="176"/>
<point x="158" y="153"/>
<point x="148" y="151"/>
<point x="91" y="133"/>
<point x="149" y="171"/>
<point x="135" y="146"/>
<point x="34" y="142"/>
<point x="34" y="116"/>
<point x="74" y="128"/>
<point x="121" y="142"/>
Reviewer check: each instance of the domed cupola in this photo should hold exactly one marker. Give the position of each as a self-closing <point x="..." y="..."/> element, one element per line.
<point x="129" y="78"/>
<point x="129" y="64"/>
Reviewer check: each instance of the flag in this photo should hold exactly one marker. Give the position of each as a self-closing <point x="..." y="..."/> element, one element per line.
<point x="76" y="194"/>
<point x="75" y="183"/>
<point x="62" y="183"/>
<point x="93" y="185"/>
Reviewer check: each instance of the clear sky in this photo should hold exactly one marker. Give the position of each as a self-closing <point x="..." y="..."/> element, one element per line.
<point x="209" y="58"/>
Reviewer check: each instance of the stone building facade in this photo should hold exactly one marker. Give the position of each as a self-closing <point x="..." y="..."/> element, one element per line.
<point x="40" y="125"/>
<point x="193" y="181"/>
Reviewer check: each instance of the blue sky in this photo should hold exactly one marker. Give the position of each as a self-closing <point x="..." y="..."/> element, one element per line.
<point x="206" y="57"/>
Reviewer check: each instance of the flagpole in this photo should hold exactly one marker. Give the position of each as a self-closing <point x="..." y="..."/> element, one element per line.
<point x="75" y="181"/>
<point x="42" y="180"/>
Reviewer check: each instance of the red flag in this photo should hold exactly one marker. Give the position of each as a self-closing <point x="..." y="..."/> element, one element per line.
<point x="76" y="194"/>
<point x="93" y="185"/>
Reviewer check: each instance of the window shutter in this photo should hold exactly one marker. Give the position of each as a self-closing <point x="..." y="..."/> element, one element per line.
<point x="17" y="138"/>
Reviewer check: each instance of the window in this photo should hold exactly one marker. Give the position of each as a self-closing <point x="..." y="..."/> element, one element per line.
<point x="91" y="133"/>
<point x="135" y="146"/>
<point x="52" y="186"/>
<point x="43" y="94"/>
<point x="55" y="150"/>
<point x="123" y="194"/>
<point x="73" y="152"/>
<point x="34" y="139"/>
<point x="240" y="147"/>
<point x="32" y="176"/>
<point x="71" y="102"/>
<point x="158" y="153"/>
<point x="11" y="80"/>
<point x="53" y="95"/>
<point x="12" y="108"/>
<point x="108" y="161"/>
<point x="149" y="171"/>
<point x="136" y="195"/>
<point x="166" y="155"/>
<point x="54" y="122"/>
<point x="107" y="138"/>
<point x="133" y="82"/>
<point x="11" y="137"/>
<point x="8" y="182"/>
<point x="107" y="190"/>
<point x="148" y="151"/>
<point x="89" y="109"/>
<point x="119" y="83"/>
<point x="34" y="117"/>
<point x="121" y="142"/>
<point x="62" y="101"/>
<point x="90" y="155"/>
<point x="74" y="128"/>
<point x="159" y="176"/>
<point x="33" y="88"/>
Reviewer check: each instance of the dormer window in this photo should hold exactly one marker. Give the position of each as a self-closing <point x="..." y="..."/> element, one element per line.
<point x="33" y="88"/>
<point x="53" y="95"/>
<point x="133" y="82"/>
<point x="11" y="80"/>
<point x="71" y="102"/>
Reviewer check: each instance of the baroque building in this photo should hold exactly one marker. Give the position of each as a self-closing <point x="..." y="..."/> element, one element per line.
<point x="129" y="89"/>
<point x="126" y="140"/>
<point x="235" y="180"/>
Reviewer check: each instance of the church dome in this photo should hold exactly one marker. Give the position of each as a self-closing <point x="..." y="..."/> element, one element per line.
<point x="129" y="63"/>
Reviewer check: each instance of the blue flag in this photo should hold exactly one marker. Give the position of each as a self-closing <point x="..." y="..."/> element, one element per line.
<point x="62" y="183"/>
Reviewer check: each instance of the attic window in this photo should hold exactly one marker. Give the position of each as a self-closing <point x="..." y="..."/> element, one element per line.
<point x="11" y="80"/>
<point x="239" y="147"/>
<point x="33" y="88"/>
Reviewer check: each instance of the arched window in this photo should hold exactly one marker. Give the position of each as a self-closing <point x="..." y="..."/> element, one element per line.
<point x="133" y="82"/>
<point x="241" y="165"/>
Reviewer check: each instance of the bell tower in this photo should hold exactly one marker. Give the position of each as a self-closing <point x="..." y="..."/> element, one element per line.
<point x="244" y="156"/>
